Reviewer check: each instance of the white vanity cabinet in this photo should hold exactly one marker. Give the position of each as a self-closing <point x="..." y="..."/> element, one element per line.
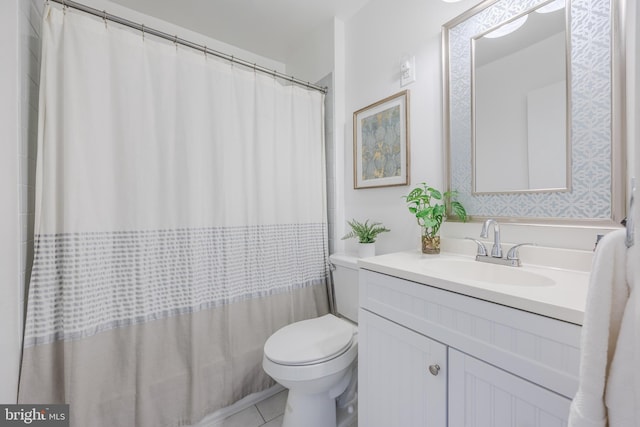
<point x="399" y="389"/>
<point x="498" y="366"/>
<point x="483" y="395"/>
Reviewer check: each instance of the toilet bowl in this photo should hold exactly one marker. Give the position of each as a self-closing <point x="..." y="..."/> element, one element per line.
<point x="316" y="359"/>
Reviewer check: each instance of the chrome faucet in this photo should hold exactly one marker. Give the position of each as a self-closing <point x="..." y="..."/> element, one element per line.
<point x="496" y="250"/>
<point x="512" y="259"/>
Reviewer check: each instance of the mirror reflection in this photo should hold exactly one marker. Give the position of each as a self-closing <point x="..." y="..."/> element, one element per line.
<point x="520" y="101"/>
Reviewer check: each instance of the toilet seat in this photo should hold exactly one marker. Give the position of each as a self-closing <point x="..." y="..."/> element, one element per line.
<point x="311" y="341"/>
<point x="288" y="374"/>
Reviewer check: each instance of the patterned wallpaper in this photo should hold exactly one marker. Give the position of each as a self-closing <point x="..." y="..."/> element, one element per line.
<point x="591" y="192"/>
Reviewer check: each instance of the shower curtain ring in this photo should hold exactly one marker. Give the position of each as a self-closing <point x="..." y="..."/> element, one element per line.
<point x="204" y="49"/>
<point x="104" y="18"/>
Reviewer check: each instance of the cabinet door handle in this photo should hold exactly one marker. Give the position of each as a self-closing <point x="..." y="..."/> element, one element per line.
<point x="434" y="369"/>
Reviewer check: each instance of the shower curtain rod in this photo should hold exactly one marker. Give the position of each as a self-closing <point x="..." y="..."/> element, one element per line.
<point x="175" y="39"/>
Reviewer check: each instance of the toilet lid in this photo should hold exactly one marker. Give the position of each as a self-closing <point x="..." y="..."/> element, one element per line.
<point x="310" y="341"/>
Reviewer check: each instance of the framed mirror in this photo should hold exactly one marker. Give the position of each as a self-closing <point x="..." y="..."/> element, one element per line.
<point x="530" y="111"/>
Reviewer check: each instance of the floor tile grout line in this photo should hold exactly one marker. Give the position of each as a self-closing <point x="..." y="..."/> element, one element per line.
<point x="267" y="421"/>
<point x="264" y="420"/>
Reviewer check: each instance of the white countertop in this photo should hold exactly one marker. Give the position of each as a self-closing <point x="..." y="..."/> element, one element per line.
<point x="564" y="301"/>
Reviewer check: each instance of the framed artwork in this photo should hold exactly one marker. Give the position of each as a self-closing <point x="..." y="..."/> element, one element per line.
<point x="381" y="143"/>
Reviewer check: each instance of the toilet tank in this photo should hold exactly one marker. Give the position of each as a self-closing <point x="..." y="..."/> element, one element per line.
<point x="345" y="285"/>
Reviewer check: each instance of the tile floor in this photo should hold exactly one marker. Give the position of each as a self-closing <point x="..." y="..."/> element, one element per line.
<point x="267" y="413"/>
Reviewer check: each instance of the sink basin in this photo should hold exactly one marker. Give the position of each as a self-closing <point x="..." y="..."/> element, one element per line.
<point x="465" y="270"/>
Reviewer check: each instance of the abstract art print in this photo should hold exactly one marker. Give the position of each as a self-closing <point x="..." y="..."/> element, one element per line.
<point x="381" y="143"/>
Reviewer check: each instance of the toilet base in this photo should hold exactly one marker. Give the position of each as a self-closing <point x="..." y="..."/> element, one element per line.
<point x="315" y="409"/>
<point x="309" y="410"/>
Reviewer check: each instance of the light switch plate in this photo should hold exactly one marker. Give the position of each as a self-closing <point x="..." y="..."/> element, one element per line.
<point x="408" y="70"/>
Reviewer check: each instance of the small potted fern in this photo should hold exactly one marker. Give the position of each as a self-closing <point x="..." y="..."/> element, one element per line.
<point x="366" y="234"/>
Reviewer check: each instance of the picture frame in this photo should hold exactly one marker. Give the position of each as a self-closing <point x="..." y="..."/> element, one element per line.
<point x="381" y="143"/>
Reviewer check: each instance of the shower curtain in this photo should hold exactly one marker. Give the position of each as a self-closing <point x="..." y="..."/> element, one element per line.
<point x="180" y="220"/>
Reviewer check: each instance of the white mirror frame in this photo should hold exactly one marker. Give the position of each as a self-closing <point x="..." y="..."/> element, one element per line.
<point x="597" y="195"/>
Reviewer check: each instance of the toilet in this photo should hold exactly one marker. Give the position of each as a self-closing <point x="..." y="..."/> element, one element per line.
<point x="316" y="358"/>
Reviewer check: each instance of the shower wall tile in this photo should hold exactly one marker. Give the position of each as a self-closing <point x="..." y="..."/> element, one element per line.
<point x="10" y="205"/>
<point x="30" y="23"/>
<point x="21" y="24"/>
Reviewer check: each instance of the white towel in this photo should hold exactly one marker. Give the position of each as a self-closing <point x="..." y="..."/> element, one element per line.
<point x="606" y="300"/>
<point x="622" y="395"/>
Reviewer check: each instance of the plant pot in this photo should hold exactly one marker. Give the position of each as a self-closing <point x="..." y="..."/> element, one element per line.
<point x="366" y="250"/>
<point x="430" y="244"/>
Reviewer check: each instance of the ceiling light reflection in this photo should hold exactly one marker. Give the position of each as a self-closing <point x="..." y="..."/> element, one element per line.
<point x="507" y="28"/>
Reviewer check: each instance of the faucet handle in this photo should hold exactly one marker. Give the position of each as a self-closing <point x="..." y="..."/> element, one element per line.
<point x="513" y="252"/>
<point x="482" y="249"/>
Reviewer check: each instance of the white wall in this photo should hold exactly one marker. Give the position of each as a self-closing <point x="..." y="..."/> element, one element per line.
<point x="376" y="39"/>
<point x="633" y="88"/>
<point x="634" y="82"/>
<point x="312" y="58"/>
<point x="158" y="24"/>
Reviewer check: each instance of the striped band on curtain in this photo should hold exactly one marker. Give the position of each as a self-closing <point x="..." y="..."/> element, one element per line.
<point x="149" y="275"/>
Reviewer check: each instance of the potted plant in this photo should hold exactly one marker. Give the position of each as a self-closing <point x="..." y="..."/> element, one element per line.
<point x="366" y="234"/>
<point x="430" y="209"/>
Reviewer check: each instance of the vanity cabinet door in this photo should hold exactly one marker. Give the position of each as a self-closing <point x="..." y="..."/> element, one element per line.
<point x="402" y="376"/>
<point x="482" y="395"/>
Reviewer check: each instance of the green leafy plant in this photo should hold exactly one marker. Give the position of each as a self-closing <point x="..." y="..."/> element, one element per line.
<point x="429" y="205"/>
<point x="365" y="232"/>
